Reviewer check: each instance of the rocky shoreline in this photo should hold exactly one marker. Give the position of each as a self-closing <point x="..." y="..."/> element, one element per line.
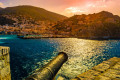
<point x="60" y="36"/>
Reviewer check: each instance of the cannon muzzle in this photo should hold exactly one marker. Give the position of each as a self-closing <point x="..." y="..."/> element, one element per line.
<point x="49" y="71"/>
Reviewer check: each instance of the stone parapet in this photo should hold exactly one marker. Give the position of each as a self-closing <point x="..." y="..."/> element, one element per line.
<point x="5" y="63"/>
<point x="107" y="70"/>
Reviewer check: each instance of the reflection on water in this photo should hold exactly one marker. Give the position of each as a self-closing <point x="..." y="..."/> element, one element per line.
<point x="28" y="55"/>
<point x="1" y="42"/>
<point x="83" y="54"/>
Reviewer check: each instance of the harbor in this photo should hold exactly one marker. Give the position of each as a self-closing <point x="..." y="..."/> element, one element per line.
<point x="28" y="55"/>
<point x="107" y="70"/>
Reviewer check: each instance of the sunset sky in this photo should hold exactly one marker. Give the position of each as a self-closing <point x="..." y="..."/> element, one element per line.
<point x="69" y="7"/>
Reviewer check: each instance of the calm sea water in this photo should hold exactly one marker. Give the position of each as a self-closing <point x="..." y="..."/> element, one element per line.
<point x="26" y="55"/>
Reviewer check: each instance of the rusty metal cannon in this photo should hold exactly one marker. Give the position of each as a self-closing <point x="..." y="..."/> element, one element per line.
<point x="49" y="71"/>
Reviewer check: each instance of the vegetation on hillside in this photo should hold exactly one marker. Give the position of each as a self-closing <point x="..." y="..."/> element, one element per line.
<point x="97" y="25"/>
<point x="4" y="21"/>
<point x="33" y="20"/>
<point x="27" y="20"/>
<point x="31" y="13"/>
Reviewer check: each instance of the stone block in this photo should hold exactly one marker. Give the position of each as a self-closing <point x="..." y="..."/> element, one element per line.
<point x="112" y="73"/>
<point x="115" y="79"/>
<point x="7" y="77"/>
<point x="75" y="78"/>
<point x="60" y="78"/>
<point x="8" y="58"/>
<point x="118" y="62"/>
<point x="2" y="64"/>
<point x="91" y="74"/>
<point x="101" y="67"/>
<point x="114" y="59"/>
<point x="4" y="50"/>
<point x="111" y="63"/>
<point x="102" y="78"/>
<point x="107" y="70"/>
<point x="5" y="71"/>
<point x="117" y="67"/>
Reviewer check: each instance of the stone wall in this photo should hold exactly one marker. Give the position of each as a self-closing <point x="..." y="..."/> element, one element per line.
<point x="107" y="70"/>
<point x="4" y="63"/>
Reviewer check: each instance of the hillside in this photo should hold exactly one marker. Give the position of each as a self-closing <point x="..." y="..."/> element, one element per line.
<point x="1" y="8"/>
<point x="27" y="20"/>
<point x="95" y="26"/>
<point x="4" y="20"/>
<point x="30" y="12"/>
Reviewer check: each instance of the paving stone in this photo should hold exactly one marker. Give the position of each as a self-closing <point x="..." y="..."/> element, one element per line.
<point x="101" y="67"/>
<point x="60" y="78"/>
<point x="91" y="74"/>
<point x="76" y="78"/>
<point x="86" y="79"/>
<point x="115" y="79"/>
<point x="8" y="58"/>
<point x="4" y="64"/>
<point x="107" y="70"/>
<point x="117" y="67"/>
<point x="111" y="63"/>
<point x="7" y="77"/>
<point x="102" y="78"/>
<point x="114" y="59"/>
<point x="112" y="73"/>
<point x="5" y="71"/>
<point x="118" y="62"/>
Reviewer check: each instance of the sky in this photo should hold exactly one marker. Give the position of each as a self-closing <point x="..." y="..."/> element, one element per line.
<point x="69" y="7"/>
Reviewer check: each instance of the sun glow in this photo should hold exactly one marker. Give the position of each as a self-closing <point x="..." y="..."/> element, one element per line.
<point x="74" y="10"/>
<point x="69" y="7"/>
<point x="89" y="7"/>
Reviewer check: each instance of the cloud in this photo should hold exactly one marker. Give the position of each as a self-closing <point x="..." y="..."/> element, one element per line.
<point x="74" y="10"/>
<point x="69" y="7"/>
<point x="91" y="6"/>
<point x="2" y="5"/>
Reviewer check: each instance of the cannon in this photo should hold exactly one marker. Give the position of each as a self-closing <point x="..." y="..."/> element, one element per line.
<point x="49" y="71"/>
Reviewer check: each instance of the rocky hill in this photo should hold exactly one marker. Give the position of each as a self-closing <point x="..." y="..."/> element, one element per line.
<point x="27" y="20"/>
<point x="29" y="14"/>
<point x="103" y="25"/>
<point x="33" y="20"/>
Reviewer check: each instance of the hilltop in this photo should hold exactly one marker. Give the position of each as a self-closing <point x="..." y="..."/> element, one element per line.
<point x="27" y="20"/>
<point x="1" y="8"/>
<point x="36" y="21"/>
<point x="102" y="25"/>
<point x="32" y="13"/>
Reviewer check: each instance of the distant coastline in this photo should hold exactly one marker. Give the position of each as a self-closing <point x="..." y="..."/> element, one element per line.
<point x="98" y="26"/>
<point x="59" y="36"/>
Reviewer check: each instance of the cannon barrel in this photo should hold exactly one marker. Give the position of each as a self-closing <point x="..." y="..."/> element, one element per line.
<point x="49" y="71"/>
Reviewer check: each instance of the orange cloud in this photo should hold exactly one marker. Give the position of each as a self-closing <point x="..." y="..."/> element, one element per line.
<point x="91" y="6"/>
<point x="69" y="7"/>
<point x="2" y="5"/>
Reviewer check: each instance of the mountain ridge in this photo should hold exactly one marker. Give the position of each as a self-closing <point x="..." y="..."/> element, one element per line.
<point x="32" y="12"/>
<point x="98" y="25"/>
<point x="102" y="25"/>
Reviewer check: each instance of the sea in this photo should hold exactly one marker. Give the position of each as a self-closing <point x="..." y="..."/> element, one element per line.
<point x="27" y="55"/>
